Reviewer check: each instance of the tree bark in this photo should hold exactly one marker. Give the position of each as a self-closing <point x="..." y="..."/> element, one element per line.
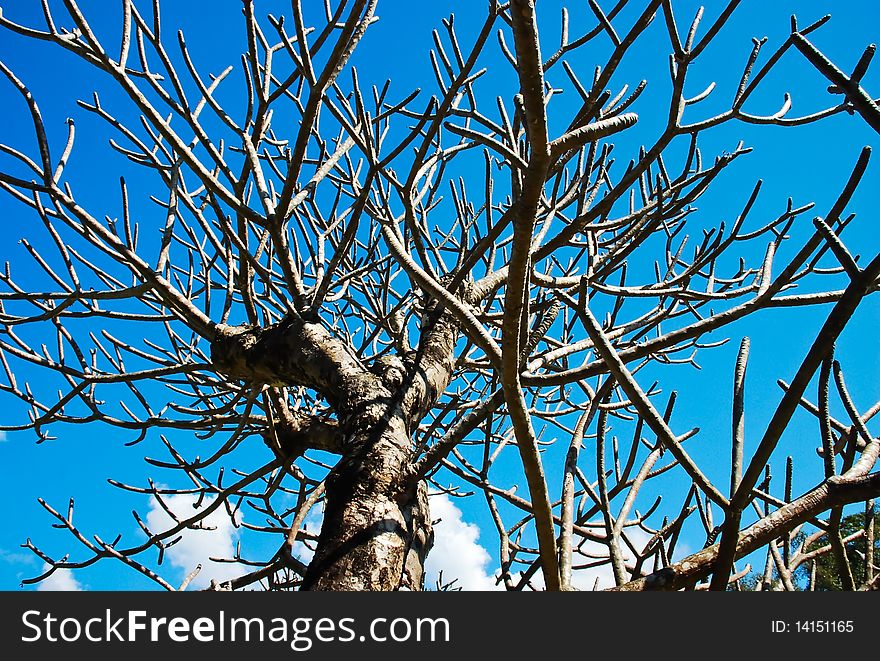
<point x="376" y="532"/>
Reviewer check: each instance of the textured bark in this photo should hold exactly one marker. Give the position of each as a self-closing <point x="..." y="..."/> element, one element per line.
<point x="366" y="534"/>
<point x="377" y="526"/>
<point x="421" y="539"/>
<point x="296" y="433"/>
<point x="293" y="352"/>
<point x="376" y="532"/>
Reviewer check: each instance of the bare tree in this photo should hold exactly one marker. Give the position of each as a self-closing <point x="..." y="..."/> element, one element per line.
<point x="418" y="287"/>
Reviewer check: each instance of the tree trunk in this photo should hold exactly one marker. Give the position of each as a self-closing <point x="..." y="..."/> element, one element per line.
<point x="377" y="530"/>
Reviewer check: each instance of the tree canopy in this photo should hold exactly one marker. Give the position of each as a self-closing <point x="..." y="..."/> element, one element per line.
<point x="311" y="294"/>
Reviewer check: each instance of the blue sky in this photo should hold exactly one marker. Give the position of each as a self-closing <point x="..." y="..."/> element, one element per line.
<point x="808" y="163"/>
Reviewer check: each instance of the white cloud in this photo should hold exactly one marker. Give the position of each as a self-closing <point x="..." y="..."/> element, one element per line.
<point x="456" y="551"/>
<point x="197" y="546"/>
<point x="17" y="557"/>
<point x="61" y="580"/>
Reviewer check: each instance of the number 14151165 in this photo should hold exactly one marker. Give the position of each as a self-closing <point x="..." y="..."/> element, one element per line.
<point x="824" y="626"/>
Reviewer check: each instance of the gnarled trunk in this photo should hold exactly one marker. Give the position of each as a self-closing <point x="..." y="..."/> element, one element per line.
<point x="377" y="530"/>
